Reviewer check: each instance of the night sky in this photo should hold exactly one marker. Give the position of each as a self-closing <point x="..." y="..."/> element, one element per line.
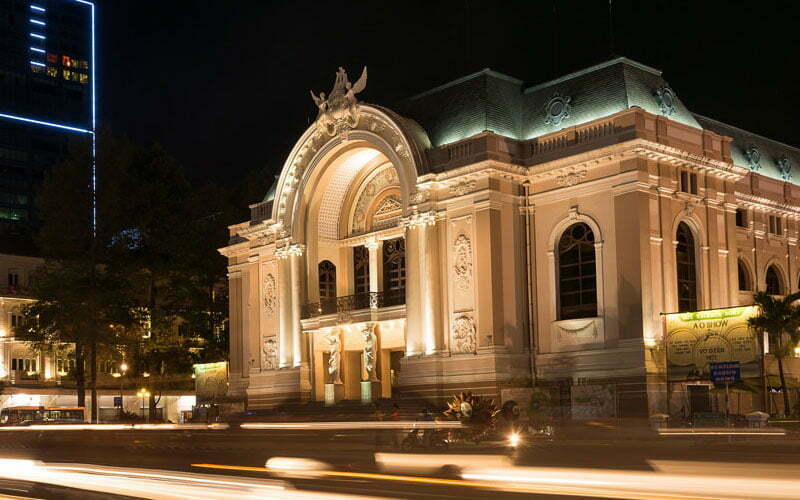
<point x="224" y="85"/>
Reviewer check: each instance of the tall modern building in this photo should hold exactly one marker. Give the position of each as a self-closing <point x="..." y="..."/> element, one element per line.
<point x="47" y="96"/>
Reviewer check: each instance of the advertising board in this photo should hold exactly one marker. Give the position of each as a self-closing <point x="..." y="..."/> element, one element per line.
<point x="696" y="340"/>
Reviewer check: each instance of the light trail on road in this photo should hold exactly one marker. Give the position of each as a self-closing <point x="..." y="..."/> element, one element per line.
<point x="363" y="425"/>
<point x="153" y="484"/>
<point x="113" y="427"/>
<point x="598" y="483"/>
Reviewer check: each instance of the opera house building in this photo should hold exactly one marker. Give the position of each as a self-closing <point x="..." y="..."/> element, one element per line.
<point x="501" y="238"/>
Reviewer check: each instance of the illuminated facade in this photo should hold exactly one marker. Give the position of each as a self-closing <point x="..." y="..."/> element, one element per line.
<point x="489" y="237"/>
<point x="47" y="96"/>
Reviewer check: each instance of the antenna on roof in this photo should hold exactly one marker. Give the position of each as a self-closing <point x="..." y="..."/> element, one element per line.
<point x="611" y="27"/>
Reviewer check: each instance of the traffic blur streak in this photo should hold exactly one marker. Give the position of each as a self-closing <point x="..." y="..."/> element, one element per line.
<point x="721" y="431"/>
<point x="713" y="483"/>
<point x="685" y="480"/>
<point x="113" y="427"/>
<point x="153" y="484"/>
<point x="312" y="426"/>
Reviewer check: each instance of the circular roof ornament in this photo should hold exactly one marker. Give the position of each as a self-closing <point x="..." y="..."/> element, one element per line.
<point x="753" y="158"/>
<point x="785" y="168"/>
<point x="557" y="109"/>
<point x="667" y="100"/>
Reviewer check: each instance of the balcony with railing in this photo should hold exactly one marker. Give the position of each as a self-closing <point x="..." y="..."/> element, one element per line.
<point x="345" y="305"/>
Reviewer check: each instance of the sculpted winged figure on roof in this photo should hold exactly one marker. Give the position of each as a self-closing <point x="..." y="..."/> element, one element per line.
<point x="339" y="111"/>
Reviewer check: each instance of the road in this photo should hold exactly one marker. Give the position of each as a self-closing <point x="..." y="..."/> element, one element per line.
<point x="559" y="469"/>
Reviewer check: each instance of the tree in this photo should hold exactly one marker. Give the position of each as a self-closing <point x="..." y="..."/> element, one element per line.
<point x="77" y="296"/>
<point x="780" y="319"/>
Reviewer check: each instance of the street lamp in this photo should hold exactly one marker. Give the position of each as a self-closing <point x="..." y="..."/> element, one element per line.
<point x="143" y="393"/>
<point x="123" y="367"/>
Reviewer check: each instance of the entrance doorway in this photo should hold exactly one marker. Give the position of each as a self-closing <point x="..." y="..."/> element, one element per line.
<point x="699" y="399"/>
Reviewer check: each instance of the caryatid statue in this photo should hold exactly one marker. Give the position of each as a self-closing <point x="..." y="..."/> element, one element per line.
<point x="370" y="355"/>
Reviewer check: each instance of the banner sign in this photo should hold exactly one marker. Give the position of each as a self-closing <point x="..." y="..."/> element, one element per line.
<point x="210" y="381"/>
<point x="696" y="340"/>
<point x="725" y="373"/>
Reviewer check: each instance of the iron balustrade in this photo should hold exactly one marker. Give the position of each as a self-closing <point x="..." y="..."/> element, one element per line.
<point x="346" y="304"/>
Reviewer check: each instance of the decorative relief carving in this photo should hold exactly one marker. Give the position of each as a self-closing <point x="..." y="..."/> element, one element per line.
<point x="571" y="176"/>
<point x="420" y="196"/>
<point x="667" y="100"/>
<point x="557" y="109"/>
<point x="386" y="177"/>
<point x="577" y="331"/>
<point x="270" y="350"/>
<point x="270" y="295"/>
<point x="462" y="262"/>
<point x="291" y="250"/>
<point x="339" y="112"/>
<point x="418" y="219"/>
<point x="463" y="188"/>
<point x="785" y="168"/>
<point x="463" y="335"/>
<point x="753" y="158"/>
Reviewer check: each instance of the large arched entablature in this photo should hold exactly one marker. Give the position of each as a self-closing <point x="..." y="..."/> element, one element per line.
<point x="400" y="140"/>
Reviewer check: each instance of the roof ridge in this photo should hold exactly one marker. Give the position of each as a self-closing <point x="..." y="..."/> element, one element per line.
<point x="590" y="69"/>
<point x="698" y="115"/>
<point x="452" y="83"/>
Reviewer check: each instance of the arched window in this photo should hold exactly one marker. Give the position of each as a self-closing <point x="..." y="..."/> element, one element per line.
<point x="686" y="269"/>
<point x="774" y="282"/>
<point x="577" y="273"/>
<point x="745" y="283"/>
<point x="327" y="280"/>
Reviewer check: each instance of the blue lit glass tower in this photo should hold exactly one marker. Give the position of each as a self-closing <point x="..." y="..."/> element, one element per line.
<point x="47" y="97"/>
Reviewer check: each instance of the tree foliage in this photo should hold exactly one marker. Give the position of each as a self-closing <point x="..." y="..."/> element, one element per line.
<point x="780" y="319"/>
<point x="144" y="284"/>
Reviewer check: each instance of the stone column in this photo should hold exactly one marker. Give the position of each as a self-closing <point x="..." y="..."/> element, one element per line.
<point x="285" y="352"/>
<point x="423" y="286"/>
<point x="375" y="248"/>
<point x="414" y="339"/>
<point x="295" y="259"/>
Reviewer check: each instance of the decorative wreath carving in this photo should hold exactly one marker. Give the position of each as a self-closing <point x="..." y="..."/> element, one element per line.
<point x="462" y="262"/>
<point x="463" y="335"/>
<point x="557" y="109"/>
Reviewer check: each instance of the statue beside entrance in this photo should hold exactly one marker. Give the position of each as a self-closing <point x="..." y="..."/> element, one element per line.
<point x="370" y="385"/>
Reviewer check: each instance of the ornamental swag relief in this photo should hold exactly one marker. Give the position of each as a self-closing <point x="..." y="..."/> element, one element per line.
<point x="270" y="295"/>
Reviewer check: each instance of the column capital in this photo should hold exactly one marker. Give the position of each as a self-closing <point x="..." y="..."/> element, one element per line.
<point x="290" y="250"/>
<point x="372" y="243"/>
<point x="419" y="219"/>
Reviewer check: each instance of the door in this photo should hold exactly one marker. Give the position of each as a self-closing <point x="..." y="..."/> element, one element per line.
<point x="699" y="399"/>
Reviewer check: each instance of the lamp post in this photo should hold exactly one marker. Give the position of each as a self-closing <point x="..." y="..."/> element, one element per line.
<point x="123" y="367"/>
<point x="143" y="393"/>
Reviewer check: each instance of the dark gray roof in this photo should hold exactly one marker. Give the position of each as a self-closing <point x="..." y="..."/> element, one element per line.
<point x="488" y="100"/>
<point x="768" y="151"/>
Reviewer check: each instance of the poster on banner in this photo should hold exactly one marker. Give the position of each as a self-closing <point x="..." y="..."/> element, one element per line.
<point x="696" y="340"/>
<point x="210" y="381"/>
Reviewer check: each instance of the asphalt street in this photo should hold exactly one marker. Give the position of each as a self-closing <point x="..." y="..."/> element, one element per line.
<point x="351" y="455"/>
